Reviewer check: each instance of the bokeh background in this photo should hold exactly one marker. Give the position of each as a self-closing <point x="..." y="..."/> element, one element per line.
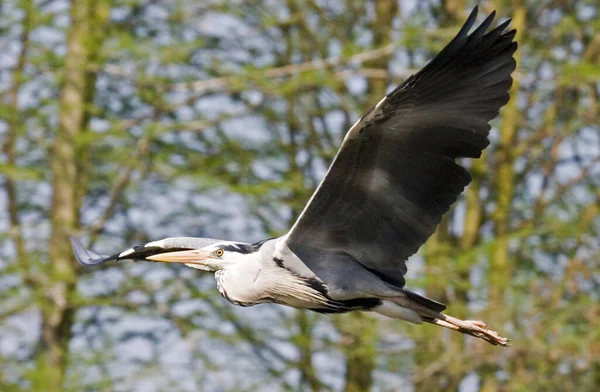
<point x="123" y="121"/>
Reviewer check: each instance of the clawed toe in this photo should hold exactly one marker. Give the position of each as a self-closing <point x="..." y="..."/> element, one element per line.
<point x="480" y="330"/>
<point x="477" y="323"/>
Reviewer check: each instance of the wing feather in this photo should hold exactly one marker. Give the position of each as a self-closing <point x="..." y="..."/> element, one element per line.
<point x="395" y="174"/>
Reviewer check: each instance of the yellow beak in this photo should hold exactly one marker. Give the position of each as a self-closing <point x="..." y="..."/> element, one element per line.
<point x="195" y="256"/>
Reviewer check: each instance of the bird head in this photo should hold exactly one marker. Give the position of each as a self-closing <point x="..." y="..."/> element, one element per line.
<point x="211" y="258"/>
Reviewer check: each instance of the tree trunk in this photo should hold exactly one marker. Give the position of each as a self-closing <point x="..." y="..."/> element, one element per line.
<point x="14" y="121"/>
<point x="500" y="270"/>
<point x="358" y="343"/>
<point x="65" y="164"/>
<point x="437" y="253"/>
<point x="359" y="330"/>
<point x="305" y="346"/>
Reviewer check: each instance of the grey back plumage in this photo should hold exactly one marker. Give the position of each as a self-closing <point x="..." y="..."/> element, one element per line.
<point x="395" y="174"/>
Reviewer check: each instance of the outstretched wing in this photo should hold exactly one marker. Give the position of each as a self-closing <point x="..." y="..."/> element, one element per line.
<point x="395" y="174"/>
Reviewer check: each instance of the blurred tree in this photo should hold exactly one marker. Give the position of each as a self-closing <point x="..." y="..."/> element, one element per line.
<point x="67" y="164"/>
<point x="129" y="120"/>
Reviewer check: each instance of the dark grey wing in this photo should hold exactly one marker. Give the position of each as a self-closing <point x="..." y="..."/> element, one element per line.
<point x="139" y="252"/>
<point x="395" y="174"/>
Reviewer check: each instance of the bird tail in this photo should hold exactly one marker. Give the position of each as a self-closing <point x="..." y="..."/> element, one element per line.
<point x="427" y="302"/>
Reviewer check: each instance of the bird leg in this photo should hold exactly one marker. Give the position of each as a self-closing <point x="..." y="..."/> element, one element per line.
<point x="476" y="328"/>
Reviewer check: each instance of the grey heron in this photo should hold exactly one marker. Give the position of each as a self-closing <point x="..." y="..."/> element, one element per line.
<point x="384" y="194"/>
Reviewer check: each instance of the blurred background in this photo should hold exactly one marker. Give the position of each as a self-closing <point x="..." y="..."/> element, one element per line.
<point x="123" y="121"/>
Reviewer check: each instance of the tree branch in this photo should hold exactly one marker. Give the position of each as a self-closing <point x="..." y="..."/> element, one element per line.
<point x="9" y="149"/>
<point x="226" y="82"/>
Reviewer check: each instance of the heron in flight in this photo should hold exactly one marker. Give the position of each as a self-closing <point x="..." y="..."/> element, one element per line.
<point x="391" y="181"/>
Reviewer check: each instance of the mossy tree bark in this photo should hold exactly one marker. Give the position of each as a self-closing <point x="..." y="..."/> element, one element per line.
<point x="66" y="164"/>
<point x="439" y="252"/>
<point x="501" y="267"/>
<point x="359" y="330"/>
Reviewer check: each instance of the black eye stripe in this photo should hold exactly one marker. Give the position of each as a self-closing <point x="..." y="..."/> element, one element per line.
<point x="240" y="248"/>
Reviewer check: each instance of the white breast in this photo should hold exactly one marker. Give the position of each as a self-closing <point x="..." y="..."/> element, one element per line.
<point x="237" y="284"/>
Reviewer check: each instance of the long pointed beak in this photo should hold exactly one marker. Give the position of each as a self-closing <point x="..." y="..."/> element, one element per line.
<point x="195" y="256"/>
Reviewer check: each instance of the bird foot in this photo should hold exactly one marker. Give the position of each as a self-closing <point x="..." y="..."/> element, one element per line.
<point x="477" y="323"/>
<point x="481" y="330"/>
<point x="476" y="328"/>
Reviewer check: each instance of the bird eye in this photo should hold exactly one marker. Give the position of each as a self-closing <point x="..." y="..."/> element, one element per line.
<point x="219" y="252"/>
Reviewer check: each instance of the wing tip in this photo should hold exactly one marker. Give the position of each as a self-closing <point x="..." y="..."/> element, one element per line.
<point x="470" y="21"/>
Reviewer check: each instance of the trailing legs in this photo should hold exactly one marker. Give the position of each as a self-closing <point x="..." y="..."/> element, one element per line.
<point x="476" y="328"/>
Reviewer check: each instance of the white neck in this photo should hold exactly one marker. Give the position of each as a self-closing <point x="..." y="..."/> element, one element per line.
<point x="235" y="280"/>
